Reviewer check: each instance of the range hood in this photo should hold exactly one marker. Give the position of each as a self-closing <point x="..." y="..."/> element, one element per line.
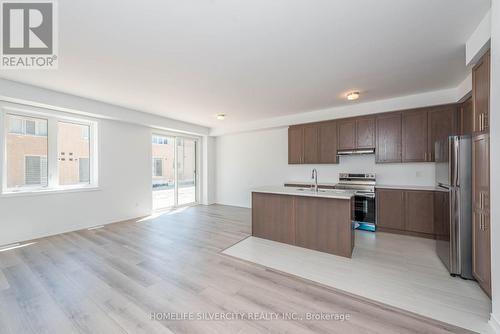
<point x="356" y="152"/>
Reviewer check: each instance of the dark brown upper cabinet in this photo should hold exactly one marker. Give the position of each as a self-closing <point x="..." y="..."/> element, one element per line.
<point x="328" y="143"/>
<point x="388" y="138"/>
<point x="365" y="132"/>
<point x="415" y="136"/>
<point x="442" y="124"/>
<point x="314" y="143"/>
<point x="296" y="145"/>
<point x="356" y="133"/>
<point x="466" y="117"/>
<point x="311" y="145"/>
<point x="347" y="134"/>
<point x="481" y="94"/>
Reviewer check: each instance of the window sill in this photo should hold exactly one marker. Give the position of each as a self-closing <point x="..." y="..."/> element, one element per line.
<point x="49" y="191"/>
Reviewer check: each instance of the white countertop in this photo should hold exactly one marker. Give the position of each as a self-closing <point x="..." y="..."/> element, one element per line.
<point x="322" y="193"/>
<point x="406" y="187"/>
<point x="379" y="186"/>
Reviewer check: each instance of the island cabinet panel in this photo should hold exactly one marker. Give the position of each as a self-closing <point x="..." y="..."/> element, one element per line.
<point x="324" y="225"/>
<point x="328" y="143"/>
<point x="390" y="209"/>
<point x="415" y="136"/>
<point x="311" y="147"/>
<point x="347" y="134"/>
<point x="295" y="145"/>
<point x="388" y="138"/>
<point x="442" y="124"/>
<point x="419" y="211"/>
<point x="272" y="217"/>
<point x="365" y="132"/>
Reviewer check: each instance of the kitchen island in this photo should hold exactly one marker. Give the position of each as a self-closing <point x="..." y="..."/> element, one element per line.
<point x="319" y="220"/>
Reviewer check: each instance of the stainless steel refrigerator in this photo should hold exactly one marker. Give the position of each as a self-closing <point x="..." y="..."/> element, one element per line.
<point x="453" y="204"/>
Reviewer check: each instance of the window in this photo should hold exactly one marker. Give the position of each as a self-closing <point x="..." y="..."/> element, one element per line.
<point x="85" y="133"/>
<point x="35" y="170"/>
<point x="157" y="167"/>
<point x="74" y="152"/>
<point x="26" y="154"/>
<point x="27" y="126"/>
<point x="161" y="140"/>
<point x="43" y="151"/>
<point x="84" y="170"/>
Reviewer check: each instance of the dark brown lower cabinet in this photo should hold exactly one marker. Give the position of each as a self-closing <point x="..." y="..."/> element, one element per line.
<point x="272" y="217"/>
<point x="481" y="238"/>
<point x="419" y="211"/>
<point x="315" y="227"/>
<point x="408" y="212"/>
<point x="322" y="224"/>
<point x="390" y="209"/>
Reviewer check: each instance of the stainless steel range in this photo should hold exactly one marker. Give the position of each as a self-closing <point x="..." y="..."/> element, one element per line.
<point x="364" y="200"/>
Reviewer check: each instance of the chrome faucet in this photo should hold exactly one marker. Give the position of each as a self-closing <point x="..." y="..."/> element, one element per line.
<point x="315" y="178"/>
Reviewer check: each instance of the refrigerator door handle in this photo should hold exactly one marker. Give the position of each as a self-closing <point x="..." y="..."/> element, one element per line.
<point x="456" y="182"/>
<point x="451" y="159"/>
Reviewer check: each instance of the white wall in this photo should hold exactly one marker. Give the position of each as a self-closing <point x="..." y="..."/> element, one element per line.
<point x="125" y="191"/>
<point x="495" y="161"/>
<point x="253" y="159"/>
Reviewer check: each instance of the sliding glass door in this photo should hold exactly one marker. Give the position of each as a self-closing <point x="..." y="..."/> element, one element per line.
<point x="174" y="171"/>
<point x="186" y="171"/>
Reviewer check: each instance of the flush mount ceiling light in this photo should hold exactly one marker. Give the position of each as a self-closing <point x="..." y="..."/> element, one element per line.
<point x="220" y="116"/>
<point x="353" y="96"/>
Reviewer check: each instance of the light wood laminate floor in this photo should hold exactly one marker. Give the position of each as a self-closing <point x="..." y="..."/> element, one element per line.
<point x="110" y="280"/>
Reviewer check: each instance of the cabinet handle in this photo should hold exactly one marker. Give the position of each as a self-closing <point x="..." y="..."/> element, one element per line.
<point x="481" y="122"/>
<point x="485" y="121"/>
<point x="481" y="222"/>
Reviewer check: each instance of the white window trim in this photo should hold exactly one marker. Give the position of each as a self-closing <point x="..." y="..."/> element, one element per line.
<point x="52" y="117"/>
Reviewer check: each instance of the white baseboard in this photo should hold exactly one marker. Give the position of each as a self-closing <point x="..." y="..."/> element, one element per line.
<point x="494" y="323"/>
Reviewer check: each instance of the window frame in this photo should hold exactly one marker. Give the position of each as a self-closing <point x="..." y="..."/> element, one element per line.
<point x="52" y="117"/>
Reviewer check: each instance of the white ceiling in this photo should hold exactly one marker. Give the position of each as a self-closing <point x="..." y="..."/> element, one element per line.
<point x="256" y="59"/>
